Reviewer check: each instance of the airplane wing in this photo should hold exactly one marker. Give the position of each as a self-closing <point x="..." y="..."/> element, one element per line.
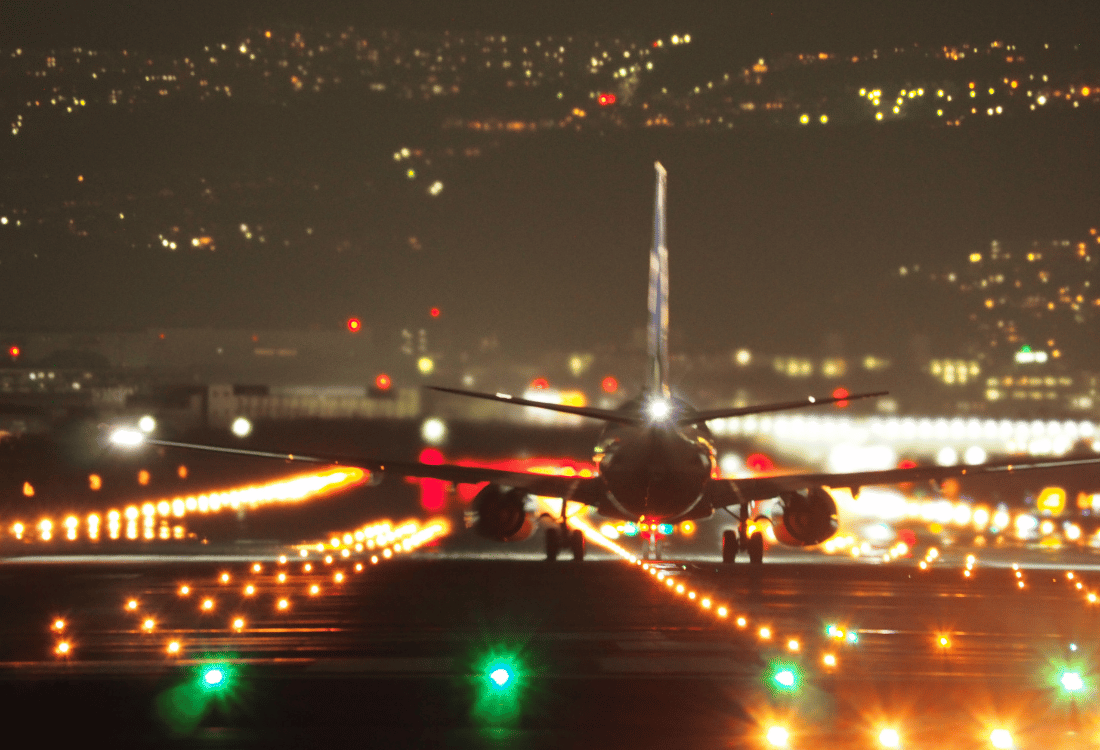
<point x="607" y="415"/>
<point x="742" y="411"/>
<point x="588" y="490"/>
<point x="764" y="488"/>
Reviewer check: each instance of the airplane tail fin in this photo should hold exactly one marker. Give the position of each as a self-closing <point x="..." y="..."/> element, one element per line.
<point x="657" y="372"/>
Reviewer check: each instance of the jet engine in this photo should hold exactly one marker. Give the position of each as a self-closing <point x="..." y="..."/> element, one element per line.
<point x="502" y="514"/>
<point x="804" y="519"/>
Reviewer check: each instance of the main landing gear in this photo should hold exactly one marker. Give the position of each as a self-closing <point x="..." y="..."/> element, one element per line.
<point x="561" y="535"/>
<point x="733" y="541"/>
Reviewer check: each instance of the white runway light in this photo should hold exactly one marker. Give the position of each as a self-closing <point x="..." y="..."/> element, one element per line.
<point x="127" y="437"/>
<point x="433" y="431"/>
<point x="241" y="427"/>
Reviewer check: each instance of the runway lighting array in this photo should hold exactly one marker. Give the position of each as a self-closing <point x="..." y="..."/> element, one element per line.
<point x="164" y="519"/>
<point x="401" y="538"/>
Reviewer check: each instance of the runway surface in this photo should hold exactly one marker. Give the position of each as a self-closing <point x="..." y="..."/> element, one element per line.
<point x="602" y="653"/>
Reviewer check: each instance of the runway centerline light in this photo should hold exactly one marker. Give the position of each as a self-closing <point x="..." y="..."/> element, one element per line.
<point x="1071" y="682"/>
<point x="889" y="738"/>
<point x="778" y="736"/>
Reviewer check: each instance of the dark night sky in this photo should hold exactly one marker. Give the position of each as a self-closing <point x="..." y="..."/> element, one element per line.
<point x="761" y="26"/>
<point x="776" y="239"/>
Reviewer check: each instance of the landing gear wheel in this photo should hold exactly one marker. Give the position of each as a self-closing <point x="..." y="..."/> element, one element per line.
<point x="756" y="548"/>
<point x="576" y="543"/>
<point x="729" y="546"/>
<point x="553" y="544"/>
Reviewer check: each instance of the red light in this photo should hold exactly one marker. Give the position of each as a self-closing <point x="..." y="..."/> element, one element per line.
<point x="840" y="393"/>
<point x="354" y="325"/>
<point x="433" y="492"/>
<point x="383" y="382"/>
<point x="434" y="312"/>
<point x="907" y="463"/>
<point x="609" y="384"/>
<point x="758" y="462"/>
<point x="14" y="352"/>
<point x="540" y="384"/>
<point x="605" y="99"/>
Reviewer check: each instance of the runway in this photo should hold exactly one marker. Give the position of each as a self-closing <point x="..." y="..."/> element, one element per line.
<point x="603" y="653"/>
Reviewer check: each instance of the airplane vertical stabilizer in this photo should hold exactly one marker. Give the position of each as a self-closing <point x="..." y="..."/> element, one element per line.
<point x="657" y="376"/>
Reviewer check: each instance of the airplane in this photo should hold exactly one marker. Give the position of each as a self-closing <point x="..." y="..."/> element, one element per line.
<point x="656" y="460"/>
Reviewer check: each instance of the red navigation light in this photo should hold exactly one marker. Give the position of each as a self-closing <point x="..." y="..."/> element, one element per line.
<point x="383" y="382"/>
<point x="14" y="351"/>
<point x="907" y="463"/>
<point x="605" y="99"/>
<point x="355" y="325"/>
<point x="840" y="393"/>
<point x="434" y="312"/>
<point x="433" y="492"/>
<point x="759" y="463"/>
<point x="609" y="384"/>
<point x="540" y="384"/>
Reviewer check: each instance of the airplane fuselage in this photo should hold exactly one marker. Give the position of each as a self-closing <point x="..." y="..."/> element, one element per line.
<point x="659" y="470"/>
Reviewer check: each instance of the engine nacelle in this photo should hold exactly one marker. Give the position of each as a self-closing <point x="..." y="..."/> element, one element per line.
<point x="802" y="520"/>
<point x="502" y="514"/>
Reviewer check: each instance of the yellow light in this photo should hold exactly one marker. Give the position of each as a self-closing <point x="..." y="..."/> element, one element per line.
<point x="889" y="738"/>
<point x="669" y="582"/>
<point x="63" y="648"/>
<point x="174" y="647"/>
<point x="829" y="660"/>
<point x="386" y="553"/>
<point x="1091" y="597"/>
<point x="314" y="590"/>
<point x="238" y="624"/>
<point x="792" y="645"/>
<point x="778" y="736"/>
<point x="742" y="622"/>
<point x="282" y="559"/>
<point x="249" y="590"/>
<point x="59" y="624"/>
<point x="1001" y="739"/>
<point x="374" y="560"/>
<point x="679" y="588"/>
<point x="722" y="611"/>
<point x="945" y="642"/>
<point x="256" y="567"/>
<point x="207" y="604"/>
<point x="224" y="578"/>
<point x="281" y="578"/>
<point x="328" y="559"/>
<point x="149" y="625"/>
<point x="765" y="633"/>
<point x="358" y="567"/>
<point x="132" y="605"/>
<point x="691" y="595"/>
<point x="283" y="604"/>
<point x="339" y="578"/>
<point x="307" y="567"/>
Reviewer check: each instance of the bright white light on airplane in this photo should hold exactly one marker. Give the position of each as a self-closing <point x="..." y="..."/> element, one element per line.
<point x="433" y="431"/>
<point x="659" y="409"/>
<point x="947" y="456"/>
<point x="147" y="424"/>
<point x="127" y="437"/>
<point x="241" y="427"/>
